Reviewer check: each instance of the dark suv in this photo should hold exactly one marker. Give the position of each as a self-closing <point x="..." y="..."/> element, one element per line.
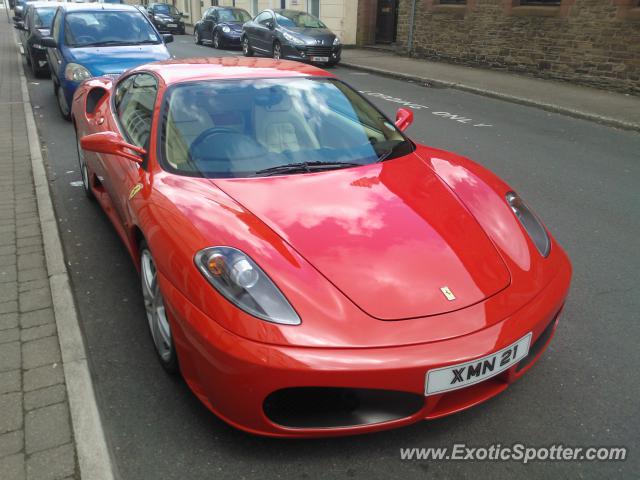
<point x="166" y="18"/>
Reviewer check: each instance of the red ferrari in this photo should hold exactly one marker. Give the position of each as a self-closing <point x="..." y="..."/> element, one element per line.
<point x="309" y="269"/>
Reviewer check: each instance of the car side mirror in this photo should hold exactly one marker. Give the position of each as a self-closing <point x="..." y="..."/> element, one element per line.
<point x="112" y="144"/>
<point x="404" y="118"/>
<point x="167" y="37"/>
<point x="19" y="25"/>
<point x="270" y="25"/>
<point x="48" y="42"/>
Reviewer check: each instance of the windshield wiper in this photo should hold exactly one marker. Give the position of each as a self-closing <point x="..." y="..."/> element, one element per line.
<point x="387" y="153"/>
<point x="118" y="43"/>
<point x="306" y="167"/>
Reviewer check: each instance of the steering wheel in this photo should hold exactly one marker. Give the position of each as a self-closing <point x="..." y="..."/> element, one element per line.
<point x="85" y="39"/>
<point x="209" y="132"/>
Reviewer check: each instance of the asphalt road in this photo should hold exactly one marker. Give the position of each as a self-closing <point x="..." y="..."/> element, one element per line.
<point x="581" y="178"/>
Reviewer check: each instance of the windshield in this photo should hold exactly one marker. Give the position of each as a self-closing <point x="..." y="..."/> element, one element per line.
<point x="239" y="16"/>
<point x="292" y="18"/>
<point x="247" y="128"/>
<point x="108" y="27"/>
<point x="43" y="17"/>
<point x="166" y="9"/>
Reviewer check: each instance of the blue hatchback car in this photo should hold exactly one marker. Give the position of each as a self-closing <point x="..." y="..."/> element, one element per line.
<point x="96" y="39"/>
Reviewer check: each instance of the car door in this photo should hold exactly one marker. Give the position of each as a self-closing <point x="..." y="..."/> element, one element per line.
<point x="133" y="104"/>
<point x="208" y="23"/>
<point x="263" y="32"/>
<point x="54" y="55"/>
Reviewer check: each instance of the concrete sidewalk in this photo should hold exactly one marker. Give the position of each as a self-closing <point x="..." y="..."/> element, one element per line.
<point x="610" y="108"/>
<point x="49" y="426"/>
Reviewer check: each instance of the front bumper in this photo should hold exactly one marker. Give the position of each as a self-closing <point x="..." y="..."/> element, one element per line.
<point x="232" y="38"/>
<point x="164" y="28"/>
<point x="306" y="53"/>
<point x="236" y="378"/>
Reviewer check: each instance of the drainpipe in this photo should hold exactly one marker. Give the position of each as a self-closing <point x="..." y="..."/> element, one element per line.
<point x="412" y="20"/>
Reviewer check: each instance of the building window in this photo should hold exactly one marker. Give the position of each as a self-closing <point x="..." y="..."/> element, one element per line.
<point x="315" y="7"/>
<point x="452" y="2"/>
<point x="554" y="3"/>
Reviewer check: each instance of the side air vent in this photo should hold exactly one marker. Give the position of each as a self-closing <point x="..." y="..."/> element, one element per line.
<point x="94" y="98"/>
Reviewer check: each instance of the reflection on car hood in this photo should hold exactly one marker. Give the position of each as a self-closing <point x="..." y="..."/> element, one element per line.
<point x="117" y="59"/>
<point x="391" y="231"/>
<point x="312" y="34"/>
<point x="235" y="26"/>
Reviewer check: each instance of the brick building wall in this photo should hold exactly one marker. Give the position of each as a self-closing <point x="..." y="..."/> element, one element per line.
<point x="593" y="42"/>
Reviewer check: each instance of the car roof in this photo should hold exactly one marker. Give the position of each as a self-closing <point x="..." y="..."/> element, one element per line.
<point x="223" y="68"/>
<point x="45" y="4"/>
<point x="93" y="6"/>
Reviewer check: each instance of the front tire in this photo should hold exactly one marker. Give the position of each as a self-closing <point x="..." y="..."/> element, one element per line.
<point x="277" y="50"/>
<point x="65" y="111"/>
<point x="197" y="38"/>
<point x="157" y="319"/>
<point x="246" y="47"/>
<point x="84" y="170"/>
<point x="217" y="41"/>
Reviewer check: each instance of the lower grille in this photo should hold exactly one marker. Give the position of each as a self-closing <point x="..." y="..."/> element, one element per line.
<point x="538" y="345"/>
<point x="327" y="407"/>
<point x="319" y="51"/>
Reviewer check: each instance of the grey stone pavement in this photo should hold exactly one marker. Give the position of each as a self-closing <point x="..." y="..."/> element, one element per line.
<point x="615" y="109"/>
<point x="36" y="435"/>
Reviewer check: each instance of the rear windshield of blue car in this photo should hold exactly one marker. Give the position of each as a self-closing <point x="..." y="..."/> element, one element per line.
<point x="258" y="127"/>
<point x="108" y="28"/>
<point x="43" y="17"/>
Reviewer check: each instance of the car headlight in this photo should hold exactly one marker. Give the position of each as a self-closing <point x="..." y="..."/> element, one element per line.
<point x="226" y="29"/>
<point x="292" y="39"/>
<point x="37" y="46"/>
<point x="530" y="222"/>
<point x="336" y="41"/>
<point x="76" y="72"/>
<point x="243" y="283"/>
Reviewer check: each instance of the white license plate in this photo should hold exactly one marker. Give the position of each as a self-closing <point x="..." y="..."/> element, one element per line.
<point x="462" y="375"/>
<point x="172" y="25"/>
<point x="319" y="59"/>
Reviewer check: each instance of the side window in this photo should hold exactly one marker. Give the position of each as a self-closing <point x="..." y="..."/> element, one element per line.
<point x="135" y="107"/>
<point x="121" y="91"/>
<point x="55" y="29"/>
<point x="263" y="18"/>
<point x="27" y="18"/>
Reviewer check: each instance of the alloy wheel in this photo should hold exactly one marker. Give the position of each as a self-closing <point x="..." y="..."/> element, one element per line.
<point x="277" y="51"/>
<point x="154" y="306"/>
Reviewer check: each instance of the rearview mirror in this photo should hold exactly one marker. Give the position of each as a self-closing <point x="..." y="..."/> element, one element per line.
<point x="404" y="118"/>
<point x="112" y="144"/>
<point x="167" y="37"/>
<point x="48" y="42"/>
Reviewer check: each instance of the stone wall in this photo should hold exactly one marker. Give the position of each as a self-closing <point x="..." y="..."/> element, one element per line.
<point x="592" y="42"/>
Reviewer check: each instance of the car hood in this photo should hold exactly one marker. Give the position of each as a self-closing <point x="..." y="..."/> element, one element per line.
<point x="391" y="236"/>
<point x="165" y="16"/>
<point x="312" y="35"/>
<point x="103" y="60"/>
<point x="235" y="26"/>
